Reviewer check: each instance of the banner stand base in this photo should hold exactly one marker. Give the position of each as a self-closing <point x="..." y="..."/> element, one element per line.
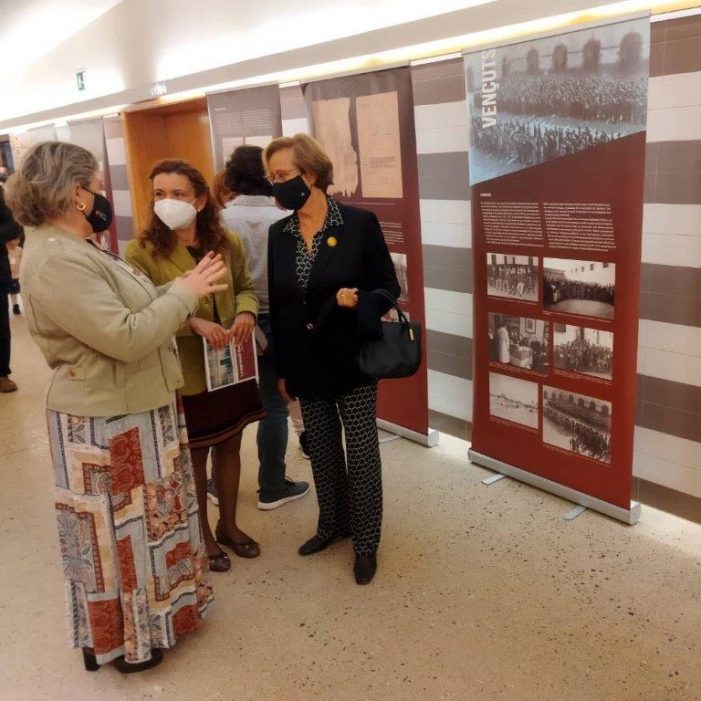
<point x="430" y="440"/>
<point x="629" y="516"/>
<point x="572" y="514"/>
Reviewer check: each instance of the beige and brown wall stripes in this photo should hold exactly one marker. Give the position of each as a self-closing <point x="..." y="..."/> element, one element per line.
<point x="668" y="431"/>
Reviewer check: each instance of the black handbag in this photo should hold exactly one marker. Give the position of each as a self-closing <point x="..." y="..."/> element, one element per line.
<point x="397" y="353"/>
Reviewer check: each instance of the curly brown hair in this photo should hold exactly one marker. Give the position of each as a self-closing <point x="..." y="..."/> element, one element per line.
<point x="210" y="232"/>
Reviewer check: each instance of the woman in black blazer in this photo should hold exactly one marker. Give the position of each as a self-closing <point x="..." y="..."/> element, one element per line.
<point x="325" y="261"/>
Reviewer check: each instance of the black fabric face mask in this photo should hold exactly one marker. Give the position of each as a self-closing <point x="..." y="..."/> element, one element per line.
<point x="100" y="216"/>
<point x="292" y="194"/>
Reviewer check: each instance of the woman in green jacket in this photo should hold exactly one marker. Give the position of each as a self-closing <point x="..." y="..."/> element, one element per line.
<point x="184" y="228"/>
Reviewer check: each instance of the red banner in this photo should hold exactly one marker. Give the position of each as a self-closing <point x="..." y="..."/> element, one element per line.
<point x="557" y="167"/>
<point x="366" y="124"/>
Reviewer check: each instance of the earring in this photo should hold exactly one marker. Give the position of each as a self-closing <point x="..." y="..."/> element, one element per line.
<point x="81" y="206"/>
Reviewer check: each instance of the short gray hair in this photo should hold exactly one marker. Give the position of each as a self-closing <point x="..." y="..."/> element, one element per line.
<point x="41" y="189"/>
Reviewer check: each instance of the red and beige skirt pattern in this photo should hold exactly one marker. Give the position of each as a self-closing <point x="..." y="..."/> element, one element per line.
<point x="135" y="567"/>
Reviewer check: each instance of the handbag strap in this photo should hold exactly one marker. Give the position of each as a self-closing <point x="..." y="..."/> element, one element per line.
<point x="400" y="313"/>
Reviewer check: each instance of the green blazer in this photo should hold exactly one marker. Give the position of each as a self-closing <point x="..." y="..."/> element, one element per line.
<point x="238" y="298"/>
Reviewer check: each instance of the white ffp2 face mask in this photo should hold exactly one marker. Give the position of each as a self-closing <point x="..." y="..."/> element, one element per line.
<point x="175" y="214"/>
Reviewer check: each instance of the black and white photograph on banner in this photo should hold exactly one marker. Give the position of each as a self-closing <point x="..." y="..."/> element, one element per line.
<point x="514" y="277"/>
<point x="582" y="350"/>
<point x="586" y="288"/>
<point x="399" y="260"/>
<point x="577" y="423"/>
<point x="539" y="100"/>
<point x="513" y="400"/>
<point x="518" y="341"/>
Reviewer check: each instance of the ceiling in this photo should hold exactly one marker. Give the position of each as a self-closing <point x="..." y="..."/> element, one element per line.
<point x="30" y="29"/>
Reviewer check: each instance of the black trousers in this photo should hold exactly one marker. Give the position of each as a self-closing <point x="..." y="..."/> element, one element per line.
<point x="348" y="484"/>
<point x="4" y="335"/>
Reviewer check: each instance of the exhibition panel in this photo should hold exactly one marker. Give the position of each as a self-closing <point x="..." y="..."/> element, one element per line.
<point x="557" y="166"/>
<point x="366" y="125"/>
<point x="250" y="117"/>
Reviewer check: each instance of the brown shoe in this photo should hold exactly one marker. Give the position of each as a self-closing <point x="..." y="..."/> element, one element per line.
<point x="7" y="385"/>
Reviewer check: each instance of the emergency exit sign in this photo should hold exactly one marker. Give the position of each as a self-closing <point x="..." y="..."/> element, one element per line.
<point x="80" y="80"/>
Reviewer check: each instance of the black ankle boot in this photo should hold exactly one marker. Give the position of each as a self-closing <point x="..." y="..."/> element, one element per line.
<point x="89" y="661"/>
<point x="365" y="568"/>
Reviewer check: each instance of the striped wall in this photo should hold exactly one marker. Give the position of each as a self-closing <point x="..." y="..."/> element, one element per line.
<point x="668" y="431"/>
<point x="117" y="164"/>
<point x="440" y="112"/>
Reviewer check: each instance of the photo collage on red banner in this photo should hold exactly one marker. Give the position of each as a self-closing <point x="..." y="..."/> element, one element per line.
<point x="562" y="328"/>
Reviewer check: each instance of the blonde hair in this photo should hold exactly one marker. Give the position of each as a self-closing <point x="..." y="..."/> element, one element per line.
<point x="42" y="187"/>
<point x="308" y="156"/>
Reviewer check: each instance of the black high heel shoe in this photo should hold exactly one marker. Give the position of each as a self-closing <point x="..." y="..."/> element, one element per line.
<point x="90" y="661"/>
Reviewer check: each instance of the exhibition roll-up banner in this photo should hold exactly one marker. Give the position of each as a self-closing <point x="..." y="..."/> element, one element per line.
<point x="239" y="117"/>
<point x="366" y="124"/>
<point x="557" y="157"/>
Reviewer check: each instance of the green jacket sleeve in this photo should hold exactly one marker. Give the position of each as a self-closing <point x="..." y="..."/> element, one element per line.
<point x="246" y="299"/>
<point x="90" y="311"/>
<point x="135" y="254"/>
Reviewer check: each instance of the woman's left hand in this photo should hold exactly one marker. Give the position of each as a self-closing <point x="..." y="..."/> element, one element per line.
<point x="243" y="327"/>
<point x="347" y="297"/>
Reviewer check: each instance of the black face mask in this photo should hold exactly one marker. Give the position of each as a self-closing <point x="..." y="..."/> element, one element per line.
<point x="100" y="216"/>
<point x="292" y="194"/>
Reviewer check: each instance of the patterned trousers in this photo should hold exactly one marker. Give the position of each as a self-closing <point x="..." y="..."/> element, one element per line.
<point x="348" y="484"/>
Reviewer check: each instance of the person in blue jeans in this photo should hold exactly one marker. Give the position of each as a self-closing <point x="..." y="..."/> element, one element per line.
<point x="250" y="214"/>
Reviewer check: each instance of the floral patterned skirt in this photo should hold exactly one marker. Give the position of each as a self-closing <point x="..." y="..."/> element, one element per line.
<point x="135" y="568"/>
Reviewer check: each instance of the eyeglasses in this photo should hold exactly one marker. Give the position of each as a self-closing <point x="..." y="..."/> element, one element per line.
<point x="281" y="177"/>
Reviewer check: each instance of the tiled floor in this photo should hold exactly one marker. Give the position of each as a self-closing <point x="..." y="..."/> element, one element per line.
<point x="482" y="593"/>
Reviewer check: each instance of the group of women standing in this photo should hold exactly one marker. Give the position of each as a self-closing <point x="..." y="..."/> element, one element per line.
<point x="129" y="452"/>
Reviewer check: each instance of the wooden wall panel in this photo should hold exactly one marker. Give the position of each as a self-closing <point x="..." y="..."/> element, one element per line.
<point x="146" y="142"/>
<point x="173" y="131"/>
<point x="189" y="138"/>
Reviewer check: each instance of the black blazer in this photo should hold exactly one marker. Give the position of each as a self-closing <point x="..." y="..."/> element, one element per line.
<point x="9" y="230"/>
<point x="316" y="342"/>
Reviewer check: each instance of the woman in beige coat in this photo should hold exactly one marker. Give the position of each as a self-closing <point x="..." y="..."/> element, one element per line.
<point x="134" y="565"/>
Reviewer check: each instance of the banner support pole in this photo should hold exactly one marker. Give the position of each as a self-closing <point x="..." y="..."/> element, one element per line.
<point x="629" y="516"/>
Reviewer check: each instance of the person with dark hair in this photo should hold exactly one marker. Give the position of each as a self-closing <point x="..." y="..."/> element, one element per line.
<point x="133" y="561"/>
<point x="330" y="273"/>
<point x="10" y="231"/>
<point x="184" y="228"/>
<point x="250" y="215"/>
